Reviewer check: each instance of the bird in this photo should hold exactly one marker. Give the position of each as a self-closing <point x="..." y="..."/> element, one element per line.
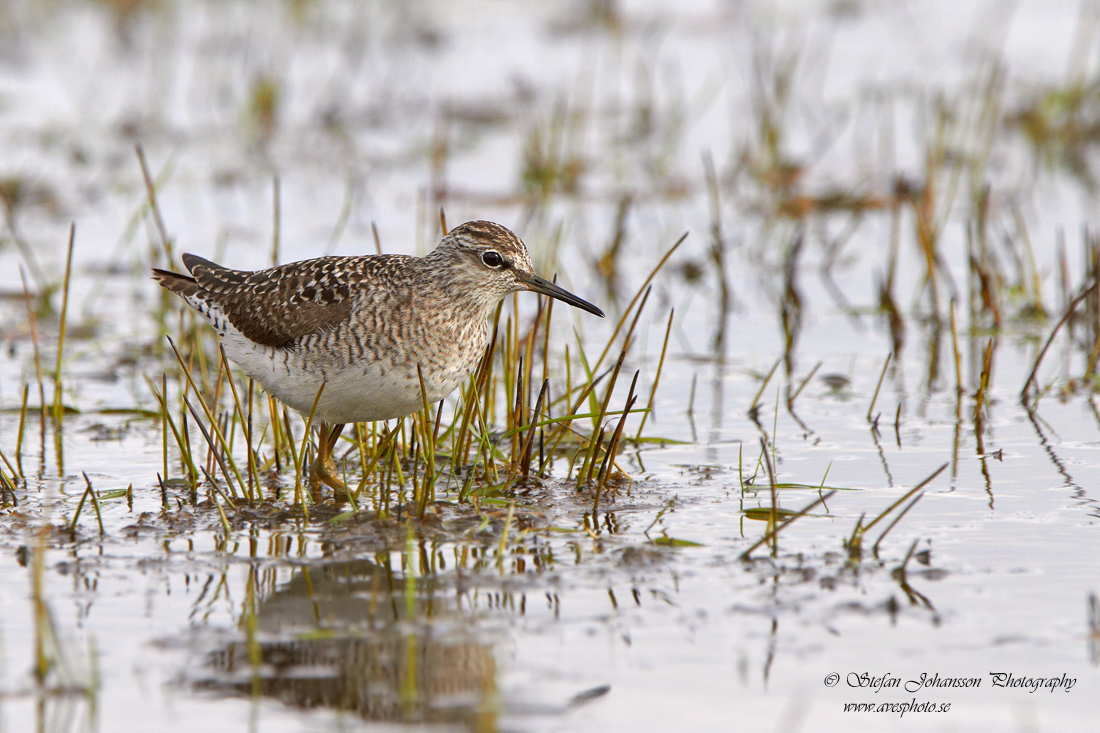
<point x="349" y="339"/>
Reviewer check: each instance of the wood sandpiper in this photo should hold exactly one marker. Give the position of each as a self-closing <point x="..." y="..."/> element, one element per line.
<point x="355" y="330"/>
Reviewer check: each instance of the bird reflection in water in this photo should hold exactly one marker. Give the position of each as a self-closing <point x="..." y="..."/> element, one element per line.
<point x="357" y="637"/>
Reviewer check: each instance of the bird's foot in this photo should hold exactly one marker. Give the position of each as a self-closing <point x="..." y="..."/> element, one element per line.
<point x="322" y="472"/>
<point x="323" y="469"/>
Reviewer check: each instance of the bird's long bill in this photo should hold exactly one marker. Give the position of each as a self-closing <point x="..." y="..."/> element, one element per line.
<point x="537" y="284"/>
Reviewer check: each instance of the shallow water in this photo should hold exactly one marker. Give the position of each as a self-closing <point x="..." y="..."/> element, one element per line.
<point x="384" y="114"/>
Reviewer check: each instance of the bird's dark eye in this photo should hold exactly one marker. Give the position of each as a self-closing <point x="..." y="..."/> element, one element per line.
<point x="492" y="259"/>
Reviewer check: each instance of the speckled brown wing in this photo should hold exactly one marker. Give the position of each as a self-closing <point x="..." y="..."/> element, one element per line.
<point x="276" y="307"/>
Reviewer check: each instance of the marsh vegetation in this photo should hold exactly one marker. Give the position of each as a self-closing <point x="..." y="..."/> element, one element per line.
<point x="842" y="415"/>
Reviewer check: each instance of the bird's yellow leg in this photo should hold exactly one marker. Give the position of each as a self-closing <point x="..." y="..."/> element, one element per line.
<point x="323" y="469"/>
